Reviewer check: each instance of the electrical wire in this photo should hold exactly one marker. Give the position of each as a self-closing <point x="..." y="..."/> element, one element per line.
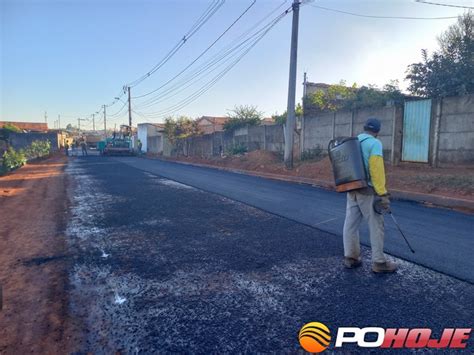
<point x="202" y="53"/>
<point x="209" y="12"/>
<point x="216" y="78"/>
<point x="446" y="5"/>
<point x="381" y="17"/>
<point x="203" y="71"/>
<point x="214" y="61"/>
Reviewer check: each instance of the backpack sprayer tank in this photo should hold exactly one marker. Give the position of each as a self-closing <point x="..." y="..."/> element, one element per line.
<point x="347" y="164"/>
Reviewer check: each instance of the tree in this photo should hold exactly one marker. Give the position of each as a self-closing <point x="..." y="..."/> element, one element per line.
<point x="450" y="70"/>
<point x="334" y="98"/>
<point x="6" y="130"/>
<point x="242" y="116"/>
<point x="281" y="119"/>
<point x="341" y="97"/>
<point x="178" y="130"/>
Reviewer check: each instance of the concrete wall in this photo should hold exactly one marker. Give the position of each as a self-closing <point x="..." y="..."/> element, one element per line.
<point x="319" y="128"/>
<point x="267" y="137"/>
<point x="22" y="140"/>
<point x="151" y="137"/>
<point x="453" y="126"/>
<point x="451" y="135"/>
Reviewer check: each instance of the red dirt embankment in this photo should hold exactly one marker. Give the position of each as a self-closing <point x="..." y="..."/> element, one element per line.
<point x="32" y="259"/>
<point x="450" y="182"/>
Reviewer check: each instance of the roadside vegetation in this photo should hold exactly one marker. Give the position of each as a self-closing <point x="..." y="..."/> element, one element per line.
<point x="13" y="159"/>
<point x="242" y="116"/>
<point x="449" y="71"/>
<point x="178" y="129"/>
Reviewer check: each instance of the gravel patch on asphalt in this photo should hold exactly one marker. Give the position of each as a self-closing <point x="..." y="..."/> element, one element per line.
<point x="190" y="271"/>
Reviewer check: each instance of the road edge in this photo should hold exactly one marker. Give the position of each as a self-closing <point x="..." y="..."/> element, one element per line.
<point x="462" y="205"/>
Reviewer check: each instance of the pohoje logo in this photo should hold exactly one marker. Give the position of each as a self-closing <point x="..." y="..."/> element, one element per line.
<point x="315" y="337"/>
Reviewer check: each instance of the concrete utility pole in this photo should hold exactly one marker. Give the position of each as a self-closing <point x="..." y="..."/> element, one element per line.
<point x="93" y="122"/>
<point x="105" y="122"/>
<point x="290" y="120"/>
<point x="129" y="109"/>
<point x="304" y="84"/>
<point x="79" y="123"/>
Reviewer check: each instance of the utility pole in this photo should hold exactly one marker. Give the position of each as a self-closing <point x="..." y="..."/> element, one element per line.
<point x="304" y="84"/>
<point x="105" y="122"/>
<point x="59" y="121"/>
<point x="79" y="122"/>
<point x="290" y="120"/>
<point x="46" y="117"/>
<point x="129" y="109"/>
<point x="93" y="122"/>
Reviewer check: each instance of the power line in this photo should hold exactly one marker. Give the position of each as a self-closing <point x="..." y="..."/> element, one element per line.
<point x="382" y="17"/>
<point x="216" y="78"/>
<point x="447" y="5"/>
<point x="209" y="12"/>
<point x="215" y="61"/>
<point x="202" y="53"/>
<point x="202" y="72"/>
<point x="118" y="112"/>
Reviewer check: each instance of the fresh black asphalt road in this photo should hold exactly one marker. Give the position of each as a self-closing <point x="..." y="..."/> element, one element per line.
<point x="443" y="239"/>
<point x="161" y="267"/>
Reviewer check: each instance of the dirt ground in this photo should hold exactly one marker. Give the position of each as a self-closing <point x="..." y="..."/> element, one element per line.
<point x="451" y="182"/>
<point x="33" y="260"/>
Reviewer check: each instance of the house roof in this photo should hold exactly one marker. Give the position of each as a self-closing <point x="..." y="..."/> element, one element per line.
<point x="268" y="121"/>
<point x="213" y="120"/>
<point x="157" y="125"/>
<point x="27" y="126"/>
<point x="318" y="85"/>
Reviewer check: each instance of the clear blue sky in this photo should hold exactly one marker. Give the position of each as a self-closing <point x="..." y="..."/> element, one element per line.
<point x="69" y="57"/>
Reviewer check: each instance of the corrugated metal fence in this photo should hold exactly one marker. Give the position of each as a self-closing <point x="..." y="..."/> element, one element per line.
<point x="416" y="131"/>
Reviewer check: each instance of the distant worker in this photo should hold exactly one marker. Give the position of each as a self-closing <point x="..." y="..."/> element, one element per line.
<point x="139" y="144"/>
<point x="66" y="148"/>
<point x="84" y="148"/>
<point x="360" y="204"/>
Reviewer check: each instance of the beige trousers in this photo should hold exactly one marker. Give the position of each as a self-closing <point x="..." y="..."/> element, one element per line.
<point x="360" y="206"/>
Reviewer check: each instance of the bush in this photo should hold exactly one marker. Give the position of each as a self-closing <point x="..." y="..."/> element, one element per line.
<point x="237" y="149"/>
<point x="312" y="154"/>
<point x="13" y="159"/>
<point x="38" y="149"/>
<point x="242" y="116"/>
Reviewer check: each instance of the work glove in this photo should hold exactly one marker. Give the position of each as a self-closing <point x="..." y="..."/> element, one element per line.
<point x="382" y="204"/>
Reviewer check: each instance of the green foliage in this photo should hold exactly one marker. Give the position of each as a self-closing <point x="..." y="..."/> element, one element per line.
<point x="281" y="119"/>
<point x="334" y="98"/>
<point x="242" y="116"/>
<point x="450" y="70"/>
<point x="13" y="159"/>
<point x="12" y="128"/>
<point x="177" y="130"/>
<point x="237" y="149"/>
<point x="180" y="128"/>
<point x="312" y="154"/>
<point x="342" y="97"/>
<point x="38" y="149"/>
<point x="7" y="129"/>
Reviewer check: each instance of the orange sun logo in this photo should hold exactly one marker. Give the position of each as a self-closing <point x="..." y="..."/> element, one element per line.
<point x="314" y="337"/>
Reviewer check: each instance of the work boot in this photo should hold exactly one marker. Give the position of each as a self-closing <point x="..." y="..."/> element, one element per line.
<point x="386" y="267"/>
<point x="352" y="263"/>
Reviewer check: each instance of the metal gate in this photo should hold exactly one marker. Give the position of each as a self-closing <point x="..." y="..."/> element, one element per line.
<point x="416" y="131"/>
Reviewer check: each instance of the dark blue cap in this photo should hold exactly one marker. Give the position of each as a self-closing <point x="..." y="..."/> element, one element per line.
<point x="373" y="125"/>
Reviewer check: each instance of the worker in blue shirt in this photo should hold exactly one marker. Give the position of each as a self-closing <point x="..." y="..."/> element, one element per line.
<point x="360" y="204"/>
